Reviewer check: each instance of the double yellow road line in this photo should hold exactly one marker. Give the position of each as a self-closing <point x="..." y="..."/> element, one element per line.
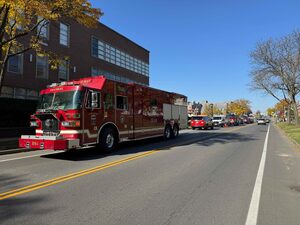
<point x="61" y="179"/>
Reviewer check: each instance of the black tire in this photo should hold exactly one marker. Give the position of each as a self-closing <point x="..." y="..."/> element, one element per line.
<point x="167" y="132"/>
<point x="212" y="127"/>
<point x="107" y="140"/>
<point x="193" y="128"/>
<point x="175" y="131"/>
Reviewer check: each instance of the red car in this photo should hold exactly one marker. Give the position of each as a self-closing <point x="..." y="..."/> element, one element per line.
<point x="233" y="120"/>
<point x="201" y="122"/>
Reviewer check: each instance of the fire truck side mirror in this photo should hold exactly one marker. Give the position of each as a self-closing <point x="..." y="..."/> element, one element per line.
<point x="94" y="96"/>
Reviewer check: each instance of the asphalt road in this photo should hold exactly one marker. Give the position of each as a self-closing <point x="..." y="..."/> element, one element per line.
<point x="204" y="177"/>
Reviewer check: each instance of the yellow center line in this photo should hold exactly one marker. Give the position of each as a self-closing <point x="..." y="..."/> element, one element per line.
<point x="61" y="179"/>
<point x="238" y="128"/>
<point x="57" y="180"/>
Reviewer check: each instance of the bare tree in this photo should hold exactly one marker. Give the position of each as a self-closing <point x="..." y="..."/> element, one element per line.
<point x="276" y="69"/>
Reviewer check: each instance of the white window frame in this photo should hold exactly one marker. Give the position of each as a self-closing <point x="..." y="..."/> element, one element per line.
<point x="66" y="65"/>
<point x="46" y="70"/>
<point x="44" y="25"/>
<point x="60" y="34"/>
<point x="20" y="62"/>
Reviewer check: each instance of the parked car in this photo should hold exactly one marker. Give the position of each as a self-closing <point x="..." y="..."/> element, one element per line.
<point x="246" y="119"/>
<point x="202" y="122"/>
<point x="233" y="120"/>
<point x="240" y="120"/>
<point x="261" y="121"/>
<point x="218" y="120"/>
<point x="251" y="119"/>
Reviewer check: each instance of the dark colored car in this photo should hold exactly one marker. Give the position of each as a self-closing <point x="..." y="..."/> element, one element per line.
<point x="202" y="122"/>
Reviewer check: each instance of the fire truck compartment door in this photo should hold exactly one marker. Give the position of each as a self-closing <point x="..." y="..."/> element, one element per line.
<point x="183" y="117"/>
<point x="167" y="111"/>
<point x="176" y="112"/>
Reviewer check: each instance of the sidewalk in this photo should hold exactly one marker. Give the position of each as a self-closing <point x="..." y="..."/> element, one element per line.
<point x="8" y="143"/>
<point x="11" y="145"/>
<point x="9" y="139"/>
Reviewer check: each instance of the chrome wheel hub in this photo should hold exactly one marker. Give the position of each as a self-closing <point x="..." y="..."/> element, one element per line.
<point x="110" y="140"/>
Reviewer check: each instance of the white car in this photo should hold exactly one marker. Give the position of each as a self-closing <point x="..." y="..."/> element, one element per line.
<point x="218" y="121"/>
<point x="261" y="121"/>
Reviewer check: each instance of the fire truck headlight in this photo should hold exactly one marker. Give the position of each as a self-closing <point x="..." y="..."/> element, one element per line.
<point x="33" y="124"/>
<point x="75" y="123"/>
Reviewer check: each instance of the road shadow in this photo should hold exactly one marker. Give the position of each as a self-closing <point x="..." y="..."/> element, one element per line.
<point x="14" y="207"/>
<point x="226" y="138"/>
<point x="202" y="138"/>
<point x="10" y="181"/>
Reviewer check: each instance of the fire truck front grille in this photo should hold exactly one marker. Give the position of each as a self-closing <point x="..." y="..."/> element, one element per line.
<point x="50" y="124"/>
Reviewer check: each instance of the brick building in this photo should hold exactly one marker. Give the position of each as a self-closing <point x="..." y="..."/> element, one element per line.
<point x="89" y="51"/>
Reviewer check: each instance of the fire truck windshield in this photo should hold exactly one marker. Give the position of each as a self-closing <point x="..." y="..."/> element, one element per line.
<point x="60" y="100"/>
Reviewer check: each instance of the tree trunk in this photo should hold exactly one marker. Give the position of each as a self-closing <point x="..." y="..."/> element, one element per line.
<point x="295" y="108"/>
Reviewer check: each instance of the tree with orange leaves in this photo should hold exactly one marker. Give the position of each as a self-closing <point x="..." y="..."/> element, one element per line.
<point x="25" y="19"/>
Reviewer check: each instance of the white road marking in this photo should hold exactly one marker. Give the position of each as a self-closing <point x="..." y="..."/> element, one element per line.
<point x="254" y="204"/>
<point x="284" y="155"/>
<point x="29" y="156"/>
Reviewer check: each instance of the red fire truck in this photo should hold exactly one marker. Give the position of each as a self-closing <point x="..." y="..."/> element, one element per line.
<point x="102" y="112"/>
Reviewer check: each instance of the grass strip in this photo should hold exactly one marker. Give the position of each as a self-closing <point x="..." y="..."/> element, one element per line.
<point x="292" y="131"/>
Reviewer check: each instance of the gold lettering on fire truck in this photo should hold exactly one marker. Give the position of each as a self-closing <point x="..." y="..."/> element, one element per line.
<point x="56" y="89"/>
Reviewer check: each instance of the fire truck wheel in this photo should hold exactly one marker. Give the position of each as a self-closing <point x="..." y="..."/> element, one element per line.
<point x="175" y="132"/>
<point x="107" y="140"/>
<point x="168" y="132"/>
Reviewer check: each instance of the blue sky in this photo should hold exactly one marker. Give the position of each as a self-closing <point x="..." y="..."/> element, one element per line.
<point x="201" y="48"/>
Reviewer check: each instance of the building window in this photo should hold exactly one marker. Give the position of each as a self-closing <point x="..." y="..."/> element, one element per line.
<point x="98" y="48"/>
<point x="94" y="47"/>
<point x="15" y="64"/>
<point x="7" y="92"/>
<point x="64" y="34"/>
<point x="42" y="67"/>
<point x="115" y="56"/>
<point x="95" y="72"/>
<point x="63" y="71"/>
<point x="43" y="29"/>
<point x="20" y="93"/>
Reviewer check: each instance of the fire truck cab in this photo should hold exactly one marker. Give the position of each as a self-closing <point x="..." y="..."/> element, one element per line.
<point x="99" y="111"/>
